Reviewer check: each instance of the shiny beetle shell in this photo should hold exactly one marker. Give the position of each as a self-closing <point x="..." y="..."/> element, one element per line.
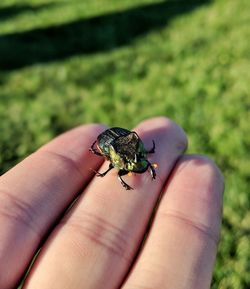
<point x="125" y="151"/>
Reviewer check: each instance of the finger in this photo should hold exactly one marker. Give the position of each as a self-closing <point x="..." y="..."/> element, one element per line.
<point x="34" y="194"/>
<point x="181" y="246"/>
<point x="101" y="235"/>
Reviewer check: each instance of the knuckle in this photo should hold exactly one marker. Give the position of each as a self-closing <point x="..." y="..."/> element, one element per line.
<point x="62" y="160"/>
<point x="199" y="228"/>
<point x="17" y="210"/>
<point x="101" y="232"/>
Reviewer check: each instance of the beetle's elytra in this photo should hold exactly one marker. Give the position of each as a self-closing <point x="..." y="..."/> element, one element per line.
<point x="125" y="151"/>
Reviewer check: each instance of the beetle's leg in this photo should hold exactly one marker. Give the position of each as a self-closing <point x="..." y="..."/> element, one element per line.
<point x="152" y="150"/>
<point x="104" y="174"/>
<point x="125" y="185"/>
<point x="94" y="150"/>
<point x="152" y="170"/>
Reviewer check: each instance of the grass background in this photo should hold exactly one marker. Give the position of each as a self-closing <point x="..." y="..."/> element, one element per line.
<point x="64" y="63"/>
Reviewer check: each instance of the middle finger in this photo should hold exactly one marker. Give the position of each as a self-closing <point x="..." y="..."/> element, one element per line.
<point x="94" y="246"/>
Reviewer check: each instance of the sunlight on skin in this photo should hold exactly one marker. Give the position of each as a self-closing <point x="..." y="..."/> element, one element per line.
<point x="96" y="242"/>
<point x="104" y="230"/>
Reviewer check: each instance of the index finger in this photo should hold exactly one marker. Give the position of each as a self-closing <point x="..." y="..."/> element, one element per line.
<point x="35" y="192"/>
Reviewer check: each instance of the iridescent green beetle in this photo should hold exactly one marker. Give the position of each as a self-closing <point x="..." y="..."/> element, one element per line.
<point x="125" y="151"/>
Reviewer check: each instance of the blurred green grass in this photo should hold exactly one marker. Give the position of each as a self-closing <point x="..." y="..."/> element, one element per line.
<point x="118" y="62"/>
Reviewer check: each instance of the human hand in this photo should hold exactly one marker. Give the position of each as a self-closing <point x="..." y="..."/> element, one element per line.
<point x="96" y="243"/>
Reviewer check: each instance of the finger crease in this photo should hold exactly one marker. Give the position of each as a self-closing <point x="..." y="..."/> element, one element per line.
<point x="103" y="233"/>
<point x="65" y="159"/>
<point x="19" y="210"/>
<point x="205" y="230"/>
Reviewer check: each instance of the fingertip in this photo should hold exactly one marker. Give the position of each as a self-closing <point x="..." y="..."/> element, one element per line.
<point x="90" y="127"/>
<point x="75" y="141"/>
<point x="195" y="191"/>
<point x="79" y="132"/>
<point x="161" y="125"/>
<point x="204" y="172"/>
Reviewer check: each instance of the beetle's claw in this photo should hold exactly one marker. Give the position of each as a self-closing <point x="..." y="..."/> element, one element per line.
<point x="104" y="173"/>
<point x="152" y="172"/>
<point x="127" y="187"/>
<point x="100" y="174"/>
<point x="97" y="173"/>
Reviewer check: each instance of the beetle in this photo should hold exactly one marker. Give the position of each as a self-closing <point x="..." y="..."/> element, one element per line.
<point x="125" y="151"/>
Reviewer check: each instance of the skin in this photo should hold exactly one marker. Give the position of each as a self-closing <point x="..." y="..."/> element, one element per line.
<point x="97" y="242"/>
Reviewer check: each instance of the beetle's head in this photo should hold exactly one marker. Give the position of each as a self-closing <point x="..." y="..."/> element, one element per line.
<point x="138" y="162"/>
<point x="128" y="152"/>
<point x="139" y="167"/>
